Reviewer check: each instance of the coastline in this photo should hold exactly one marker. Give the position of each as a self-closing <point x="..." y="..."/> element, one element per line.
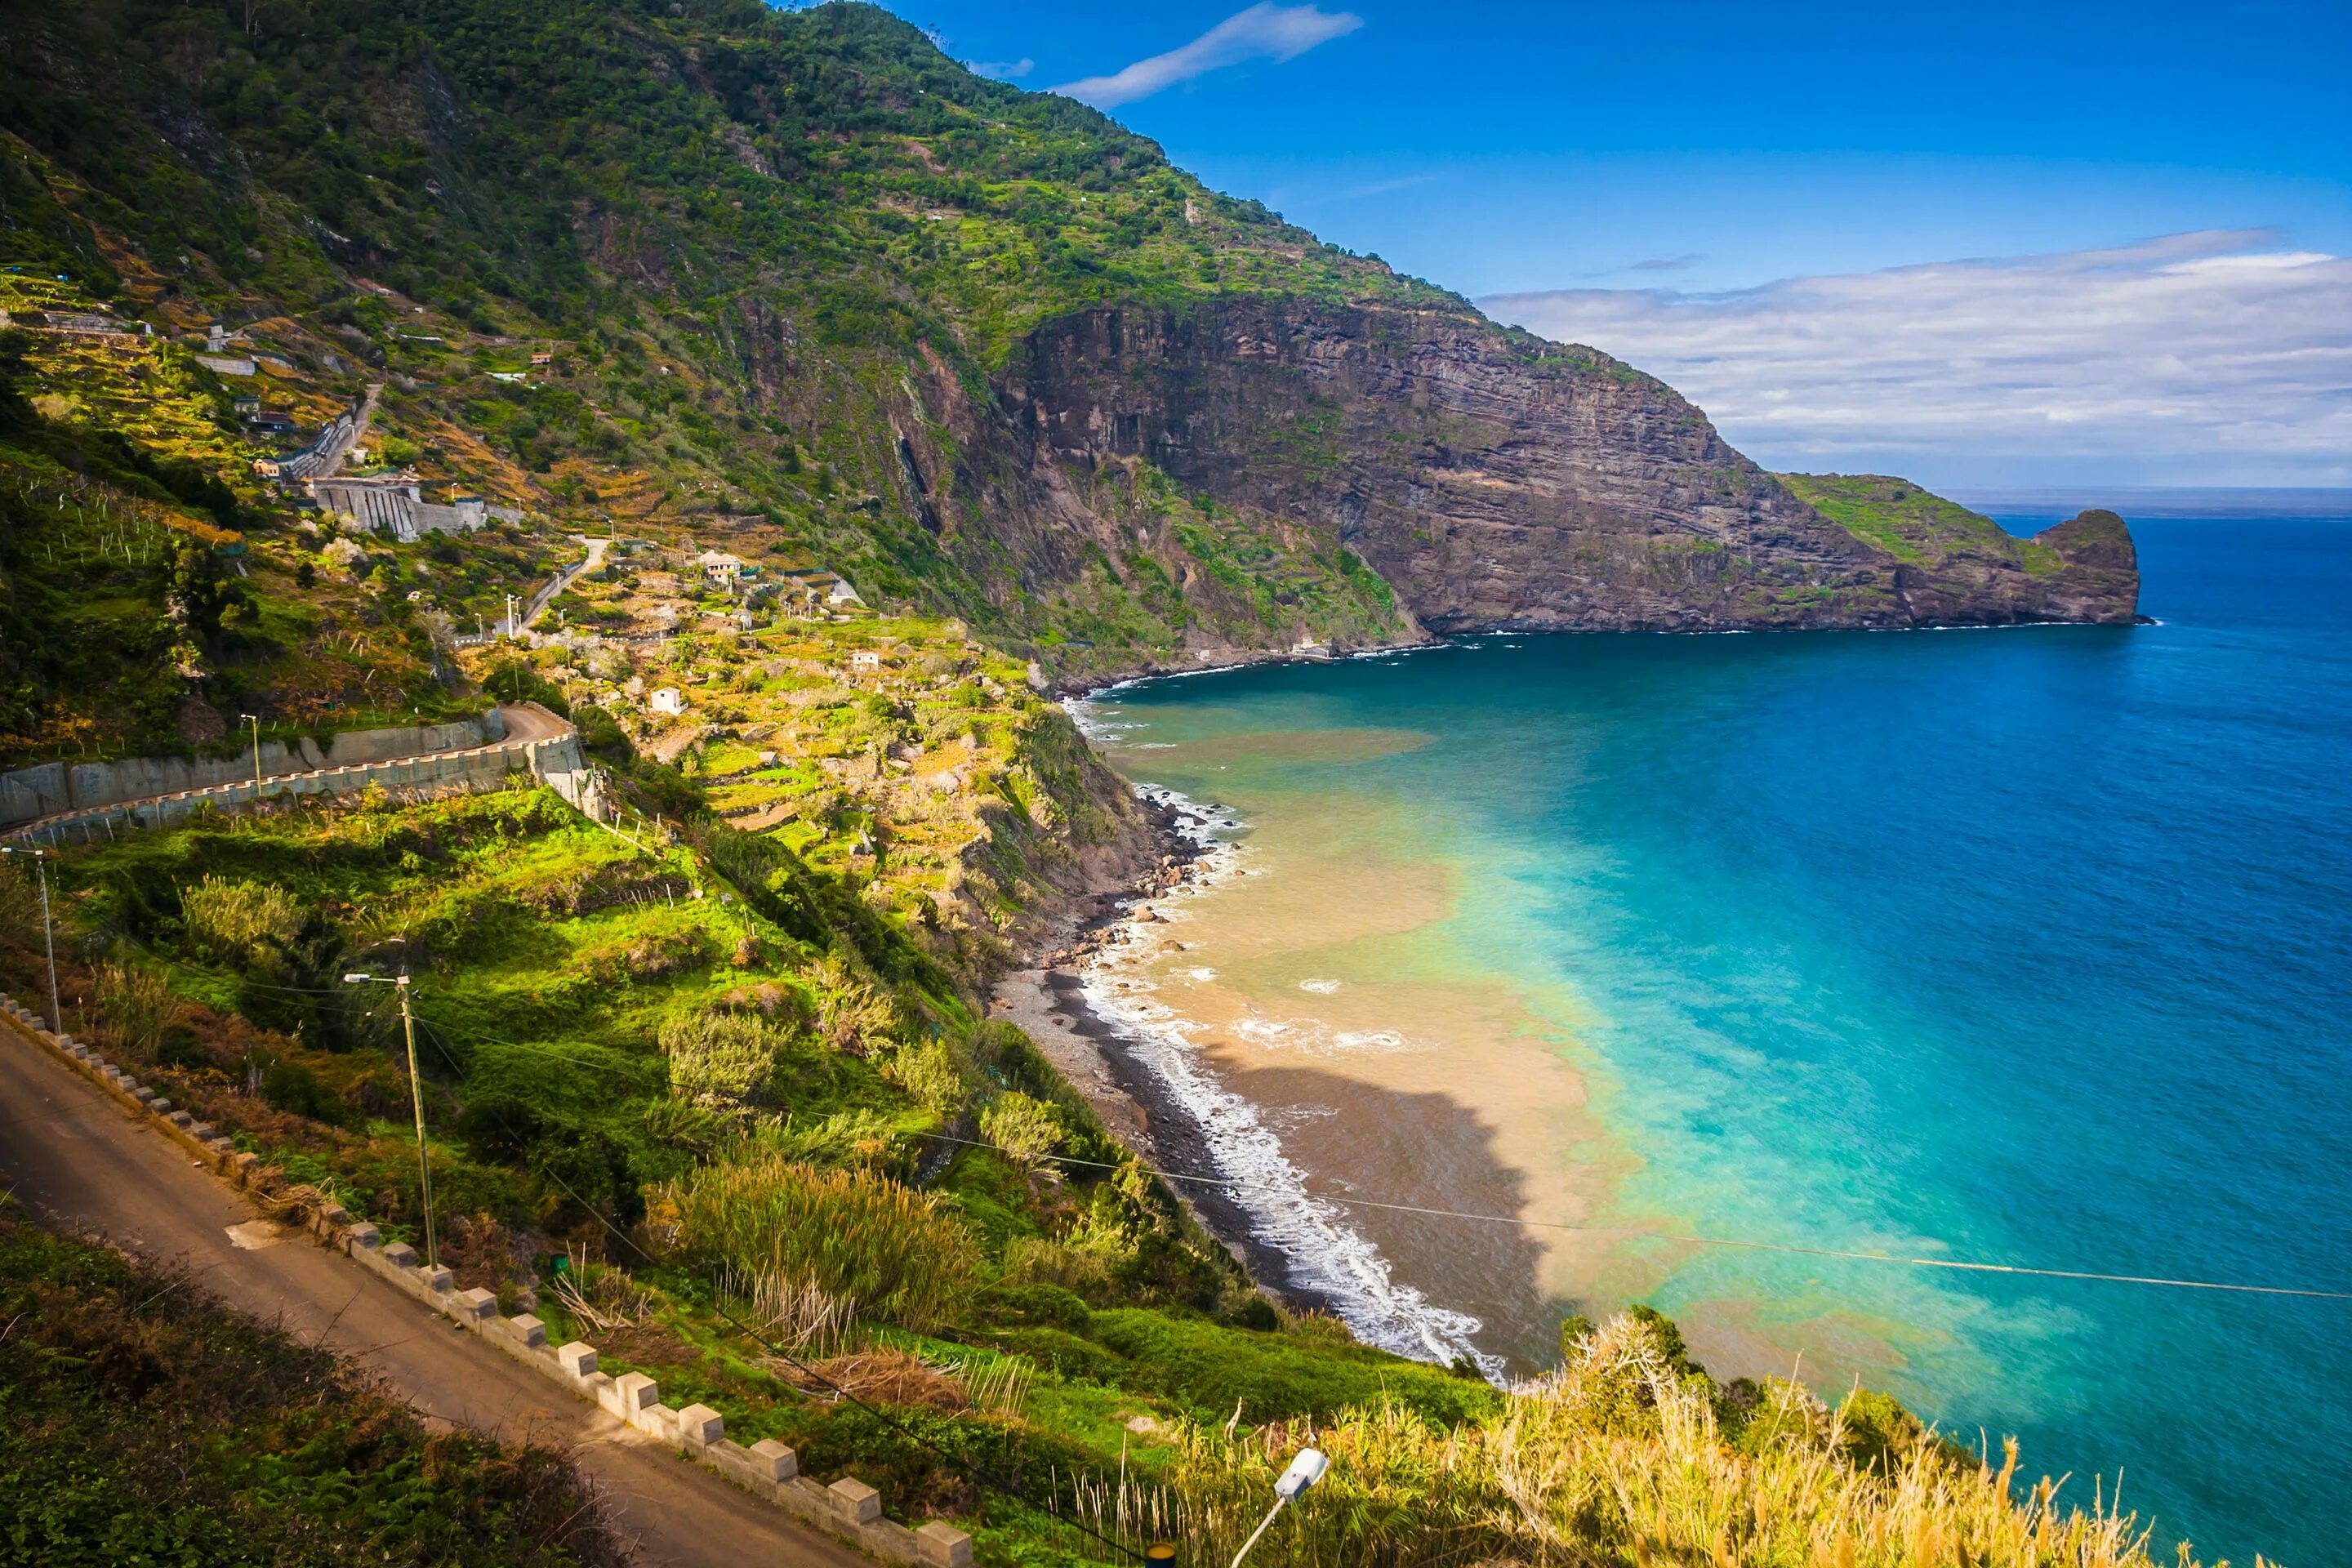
<point x="1096" y="1057"/>
<point x="1225" y="1155"/>
<point x="1080" y="688"/>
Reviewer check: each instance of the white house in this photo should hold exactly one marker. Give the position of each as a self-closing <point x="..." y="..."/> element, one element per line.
<point x="865" y="660"/>
<point x="667" y="699"/>
<point x="719" y="566"/>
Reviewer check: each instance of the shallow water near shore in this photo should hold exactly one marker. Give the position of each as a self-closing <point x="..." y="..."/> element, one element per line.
<point x="2028" y="946"/>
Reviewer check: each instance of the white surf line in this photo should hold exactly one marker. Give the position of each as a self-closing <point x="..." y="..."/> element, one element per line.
<point x="1325" y="1252"/>
<point x="1639" y="1233"/>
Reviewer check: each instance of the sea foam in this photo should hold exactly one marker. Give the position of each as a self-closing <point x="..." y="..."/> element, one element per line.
<point x="1326" y="1254"/>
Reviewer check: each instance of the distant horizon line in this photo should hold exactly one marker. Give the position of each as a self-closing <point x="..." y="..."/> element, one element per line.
<point x="2313" y="499"/>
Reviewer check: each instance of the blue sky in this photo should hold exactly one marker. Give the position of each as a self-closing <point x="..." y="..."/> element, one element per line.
<point x="1991" y="245"/>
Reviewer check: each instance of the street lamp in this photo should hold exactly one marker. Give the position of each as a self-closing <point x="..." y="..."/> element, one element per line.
<point x="255" y="720"/>
<point x="49" y="939"/>
<point x="1304" y="1472"/>
<point x="417" y="1098"/>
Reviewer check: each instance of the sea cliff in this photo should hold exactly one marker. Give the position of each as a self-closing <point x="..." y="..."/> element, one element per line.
<point x="1495" y="480"/>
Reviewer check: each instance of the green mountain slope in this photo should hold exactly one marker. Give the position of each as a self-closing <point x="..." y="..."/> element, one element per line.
<point x="2083" y="569"/>
<point x="805" y="285"/>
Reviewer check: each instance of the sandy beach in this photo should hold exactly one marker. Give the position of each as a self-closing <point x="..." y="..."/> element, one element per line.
<point x="1284" y="1117"/>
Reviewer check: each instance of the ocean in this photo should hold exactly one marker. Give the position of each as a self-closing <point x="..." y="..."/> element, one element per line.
<point x="1590" y="955"/>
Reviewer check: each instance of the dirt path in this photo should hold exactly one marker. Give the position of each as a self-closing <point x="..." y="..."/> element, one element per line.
<point x="67" y="1152"/>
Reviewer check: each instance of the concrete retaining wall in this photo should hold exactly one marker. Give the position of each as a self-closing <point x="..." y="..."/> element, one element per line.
<point x="53" y="787"/>
<point x="443" y="773"/>
<point x="848" y="1509"/>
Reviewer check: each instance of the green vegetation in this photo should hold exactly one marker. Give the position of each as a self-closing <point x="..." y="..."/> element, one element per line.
<point x="715" y="1087"/>
<point x="1916" y="525"/>
<point x="151" y="591"/>
<point x="855" y="1235"/>
<point x="720" y="268"/>
<point x="147" y="1424"/>
<point x="1627" y="1455"/>
<point x="711" y="1109"/>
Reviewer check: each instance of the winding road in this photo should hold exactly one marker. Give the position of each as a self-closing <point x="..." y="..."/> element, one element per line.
<point x="71" y="1153"/>
<point x="565" y="578"/>
<point x="525" y="722"/>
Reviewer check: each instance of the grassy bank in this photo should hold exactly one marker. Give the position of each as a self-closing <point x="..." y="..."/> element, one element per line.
<point x="148" y="1424"/>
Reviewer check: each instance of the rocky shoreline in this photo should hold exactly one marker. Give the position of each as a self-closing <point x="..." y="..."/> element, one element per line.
<point x="1096" y="1058"/>
<point x="1078" y="687"/>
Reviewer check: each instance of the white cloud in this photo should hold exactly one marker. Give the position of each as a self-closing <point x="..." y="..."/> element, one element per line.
<point x="2212" y="356"/>
<point x="1264" y="32"/>
<point x="1002" y="70"/>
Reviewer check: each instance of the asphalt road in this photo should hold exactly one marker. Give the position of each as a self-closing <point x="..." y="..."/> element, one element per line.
<point x="524" y="722"/>
<point x="67" y="1152"/>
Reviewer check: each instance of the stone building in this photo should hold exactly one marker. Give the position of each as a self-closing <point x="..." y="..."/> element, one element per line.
<point x="397" y="505"/>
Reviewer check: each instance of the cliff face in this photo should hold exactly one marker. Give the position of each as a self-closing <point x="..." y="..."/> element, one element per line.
<point x="836" y="300"/>
<point x="1495" y="480"/>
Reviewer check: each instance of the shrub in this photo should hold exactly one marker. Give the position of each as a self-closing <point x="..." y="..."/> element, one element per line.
<point x="229" y="921"/>
<point x="720" y="1059"/>
<point x="929" y="1074"/>
<point x="136" y="1007"/>
<point x="849" y="1233"/>
<point x="1029" y="1130"/>
<point x="1275" y="1376"/>
<point x="20" y="901"/>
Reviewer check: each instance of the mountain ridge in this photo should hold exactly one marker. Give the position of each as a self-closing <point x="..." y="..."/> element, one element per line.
<point x="809" y="288"/>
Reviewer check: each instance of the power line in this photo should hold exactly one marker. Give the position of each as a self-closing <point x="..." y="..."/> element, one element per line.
<point x="1710" y="1240"/>
<point x="1952" y="1265"/>
<point x="985" y="1480"/>
<point x="1692" y="1239"/>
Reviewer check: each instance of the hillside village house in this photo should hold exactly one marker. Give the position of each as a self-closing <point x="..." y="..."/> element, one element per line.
<point x="719" y="566"/>
<point x="667" y="699"/>
<point x="865" y="661"/>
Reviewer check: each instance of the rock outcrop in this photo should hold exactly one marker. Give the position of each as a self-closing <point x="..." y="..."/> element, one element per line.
<point x="1497" y="480"/>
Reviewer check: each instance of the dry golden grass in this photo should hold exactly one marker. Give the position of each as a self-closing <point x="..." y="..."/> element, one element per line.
<point x="1612" y="1462"/>
<point x="851" y="1233"/>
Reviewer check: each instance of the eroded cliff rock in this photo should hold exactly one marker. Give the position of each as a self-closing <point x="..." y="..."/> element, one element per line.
<point x="1496" y="481"/>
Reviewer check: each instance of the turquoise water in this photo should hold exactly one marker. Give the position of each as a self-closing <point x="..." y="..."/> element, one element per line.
<point x="2031" y="946"/>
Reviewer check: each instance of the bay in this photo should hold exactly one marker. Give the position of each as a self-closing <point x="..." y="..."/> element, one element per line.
<point x="2029" y="946"/>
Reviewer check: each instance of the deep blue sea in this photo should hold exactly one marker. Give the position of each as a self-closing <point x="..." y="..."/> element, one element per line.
<point x="2028" y="946"/>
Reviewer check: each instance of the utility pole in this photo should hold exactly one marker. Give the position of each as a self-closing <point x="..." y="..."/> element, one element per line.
<point x="255" y="722"/>
<point x="512" y="602"/>
<point x="417" y="1098"/>
<point x="48" y="938"/>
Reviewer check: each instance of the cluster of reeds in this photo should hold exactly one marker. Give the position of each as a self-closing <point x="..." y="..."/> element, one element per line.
<point x="998" y="1386"/>
<point x="797" y="1313"/>
<point x="850" y="1233"/>
<point x="136" y="1006"/>
<point x="1617" y="1459"/>
<point x="603" y="1298"/>
<point x="228" y="919"/>
<point x="852" y="1014"/>
<point x="721" y="1060"/>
